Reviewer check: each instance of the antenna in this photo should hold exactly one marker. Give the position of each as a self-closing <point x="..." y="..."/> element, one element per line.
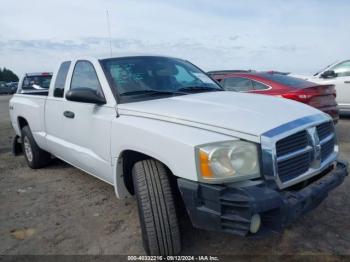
<point x="109" y="33"/>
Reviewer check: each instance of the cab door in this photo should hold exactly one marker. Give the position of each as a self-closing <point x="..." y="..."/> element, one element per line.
<point x="53" y="112"/>
<point x="88" y="126"/>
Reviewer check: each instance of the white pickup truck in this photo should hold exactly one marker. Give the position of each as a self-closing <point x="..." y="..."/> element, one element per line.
<point x="161" y="129"/>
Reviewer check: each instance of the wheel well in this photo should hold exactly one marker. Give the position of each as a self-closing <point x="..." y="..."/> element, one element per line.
<point x="22" y="122"/>
<point x="130" y="157"/>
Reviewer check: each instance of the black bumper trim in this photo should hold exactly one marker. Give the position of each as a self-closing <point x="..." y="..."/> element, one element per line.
<point x="229" y="208"/>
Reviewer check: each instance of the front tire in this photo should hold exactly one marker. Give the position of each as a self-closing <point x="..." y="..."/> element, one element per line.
<point x="35" y="156"/>
<point x="158" y="218"/>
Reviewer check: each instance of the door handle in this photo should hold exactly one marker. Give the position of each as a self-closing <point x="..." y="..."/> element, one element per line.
<point x="347" y="82"/>
<point x="68" y="114"/>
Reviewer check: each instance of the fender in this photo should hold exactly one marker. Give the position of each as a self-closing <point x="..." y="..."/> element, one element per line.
<point x="119" y="185"/>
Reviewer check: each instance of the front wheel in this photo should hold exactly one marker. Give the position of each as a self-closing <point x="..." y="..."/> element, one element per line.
<point x="158" y="218"/>
<point x="35" y="156"/>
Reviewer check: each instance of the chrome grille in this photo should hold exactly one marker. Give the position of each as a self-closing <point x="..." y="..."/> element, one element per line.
<point x="290" y="168"/>
<point x="327" y="148"/>
<point x="292" y="143"/>
<point x="325" y="130"/>
<point x="326" y="135"/>
<point x="298" y="153"/>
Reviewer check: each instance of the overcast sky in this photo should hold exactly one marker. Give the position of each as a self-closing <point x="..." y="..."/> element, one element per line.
<point x="298" y="36"/>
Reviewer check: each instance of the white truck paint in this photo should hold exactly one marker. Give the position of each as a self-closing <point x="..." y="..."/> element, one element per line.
<point x="96" y="138"/>
<point x="174" y="129"/>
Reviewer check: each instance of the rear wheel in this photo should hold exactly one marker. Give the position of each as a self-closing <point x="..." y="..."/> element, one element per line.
<point x="35" y="156"/>
<point x="158" y="217"/>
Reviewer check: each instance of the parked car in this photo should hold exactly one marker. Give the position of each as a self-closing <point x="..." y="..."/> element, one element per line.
<point x="161" y="129"/>
<point x="218" y="75"/>
<point x="319" y="96"/>
<point x="337" y="74"/>
<point x="36" y="83"/>
<point x="5" y="88"/>
<point x="13" y="86"/>
<point x="278" y="72"/>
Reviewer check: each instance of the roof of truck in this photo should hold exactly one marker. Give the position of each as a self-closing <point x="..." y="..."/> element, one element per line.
<point x="136" y="55"/>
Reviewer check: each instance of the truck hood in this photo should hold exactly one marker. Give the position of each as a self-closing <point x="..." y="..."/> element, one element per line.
<point x="244" y="113"/>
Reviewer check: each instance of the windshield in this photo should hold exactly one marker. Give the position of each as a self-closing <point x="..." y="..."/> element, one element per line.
<point x="36" y="82"/>
<point x="149" y="76"/>
<point x="324" y="69"/>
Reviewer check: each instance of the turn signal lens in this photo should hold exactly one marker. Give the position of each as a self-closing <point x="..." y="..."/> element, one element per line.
<point x="204" y="164"/>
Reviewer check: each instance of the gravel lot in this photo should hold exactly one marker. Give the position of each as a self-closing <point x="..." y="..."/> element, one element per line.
<point x="61" y="210"/>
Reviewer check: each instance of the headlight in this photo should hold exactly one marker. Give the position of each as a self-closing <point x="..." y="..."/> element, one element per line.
<point x="228" y="161"/>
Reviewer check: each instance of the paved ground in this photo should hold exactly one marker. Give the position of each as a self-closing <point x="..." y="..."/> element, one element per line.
<point x="61" y="210"/>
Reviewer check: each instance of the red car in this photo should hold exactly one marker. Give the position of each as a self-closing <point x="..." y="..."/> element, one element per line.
<point x="321" y="97"/>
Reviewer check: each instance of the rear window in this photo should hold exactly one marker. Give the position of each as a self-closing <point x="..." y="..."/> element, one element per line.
<point x="286" y="80"/>
<point x="36" y="82"/>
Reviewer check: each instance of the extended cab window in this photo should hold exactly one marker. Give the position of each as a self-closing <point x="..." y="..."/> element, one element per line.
<point x="61" y="79"/>
<point x="238" y="84"/>
<point x="84" y="76"/>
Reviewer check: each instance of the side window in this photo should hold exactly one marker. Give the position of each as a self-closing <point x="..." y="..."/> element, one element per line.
<point x="61" y="79"/>
<point x="84" y="76"/>
<point x="237" y="84"/>
<point x="259" y="86"/>
<point x="342" y="69"/>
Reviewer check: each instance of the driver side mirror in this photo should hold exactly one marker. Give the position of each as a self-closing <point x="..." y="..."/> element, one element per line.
<point x="328" y="74"/>
<point x="85" y="95"/>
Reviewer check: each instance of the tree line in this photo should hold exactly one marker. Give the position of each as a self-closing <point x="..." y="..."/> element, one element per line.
<point x="7" y="75"/>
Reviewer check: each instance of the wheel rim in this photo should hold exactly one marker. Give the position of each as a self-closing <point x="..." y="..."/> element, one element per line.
<point x="28" y="149"/>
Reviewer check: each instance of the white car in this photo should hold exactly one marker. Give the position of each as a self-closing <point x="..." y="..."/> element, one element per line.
<point x="161" y="129"/>
<point x="337" y="74"/>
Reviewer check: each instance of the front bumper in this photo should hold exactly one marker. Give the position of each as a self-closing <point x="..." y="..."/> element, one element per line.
<point x="229" y="208"/>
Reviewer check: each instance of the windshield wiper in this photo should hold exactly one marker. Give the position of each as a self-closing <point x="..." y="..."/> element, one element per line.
<point x="152" y="92"/>
<point x="199" y="89"/>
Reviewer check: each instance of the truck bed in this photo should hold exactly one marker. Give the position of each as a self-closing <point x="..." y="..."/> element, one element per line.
<point x="31" y="107"/>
